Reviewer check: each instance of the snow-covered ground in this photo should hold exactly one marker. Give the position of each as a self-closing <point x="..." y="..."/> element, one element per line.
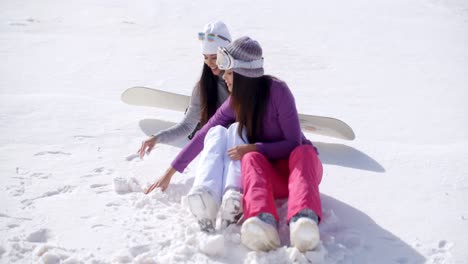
<point x="70" y="184"/>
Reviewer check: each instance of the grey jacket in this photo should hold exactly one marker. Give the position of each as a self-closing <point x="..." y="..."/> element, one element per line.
<point x="192" y="116"/>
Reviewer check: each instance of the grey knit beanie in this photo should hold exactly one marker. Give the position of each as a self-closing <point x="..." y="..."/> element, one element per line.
<point x="246" y="49"/>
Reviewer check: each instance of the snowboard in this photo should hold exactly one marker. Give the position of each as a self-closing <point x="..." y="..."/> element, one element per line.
<point x="321" y="125"/>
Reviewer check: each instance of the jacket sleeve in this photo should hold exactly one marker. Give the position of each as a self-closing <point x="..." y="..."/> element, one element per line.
<point x="187" y="125"/>
<point x="224" y="116"/>
<point x="288" y="119"/>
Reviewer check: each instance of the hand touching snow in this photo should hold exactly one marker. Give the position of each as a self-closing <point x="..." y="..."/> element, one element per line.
<point x="162" y="182"/>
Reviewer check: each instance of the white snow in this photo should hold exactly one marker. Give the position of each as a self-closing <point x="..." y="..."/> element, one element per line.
<point x="71" y="185"/>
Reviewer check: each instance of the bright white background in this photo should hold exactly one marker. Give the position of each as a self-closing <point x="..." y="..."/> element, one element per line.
<point x="70" y="189"/>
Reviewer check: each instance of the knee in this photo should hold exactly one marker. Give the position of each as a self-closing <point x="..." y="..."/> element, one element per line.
<point x="304" y="150"/>
<point x="216" y="136"/>
<point x="253" y="164"/>
<point x="234" y="127"/>
<point x="233" y="132"/>
<point x="217" y="131"/>
<point x="253" y="158"/>
<point x="305" y="155"/>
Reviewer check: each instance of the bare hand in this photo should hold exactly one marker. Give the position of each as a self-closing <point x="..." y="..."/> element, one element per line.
<point x="162" y="182"/>
<point x="146" y="147"/>
<point x="237" y="152"/>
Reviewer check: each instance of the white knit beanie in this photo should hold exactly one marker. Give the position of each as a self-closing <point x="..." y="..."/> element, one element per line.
<point x="217" y="28"/>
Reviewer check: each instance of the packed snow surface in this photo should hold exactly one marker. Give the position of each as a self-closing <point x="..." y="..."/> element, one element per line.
<point x="71" y="186"/>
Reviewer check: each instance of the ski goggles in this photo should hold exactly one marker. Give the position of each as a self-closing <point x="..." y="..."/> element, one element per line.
<point x="211" y="37"/>
<point x="225" y="61"/>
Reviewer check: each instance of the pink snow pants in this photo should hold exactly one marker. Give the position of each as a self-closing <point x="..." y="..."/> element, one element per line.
<point x="298" y="178"/>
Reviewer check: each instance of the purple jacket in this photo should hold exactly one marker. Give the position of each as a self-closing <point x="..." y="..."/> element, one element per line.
<point x="281" y="129"/>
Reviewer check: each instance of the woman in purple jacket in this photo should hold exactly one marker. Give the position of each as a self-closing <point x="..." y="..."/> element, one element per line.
<point x="279" y="162"/>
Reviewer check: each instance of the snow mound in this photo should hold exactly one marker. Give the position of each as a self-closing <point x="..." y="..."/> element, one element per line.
<point x="126" y="185"/>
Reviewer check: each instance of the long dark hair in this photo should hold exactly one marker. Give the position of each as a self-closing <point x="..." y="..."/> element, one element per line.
<point x="208" y="88"/>
<point x="249" y="99"/>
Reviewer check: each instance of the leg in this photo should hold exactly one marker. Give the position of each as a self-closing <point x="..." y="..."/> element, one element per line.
<point x="304" y="179"/>
<point x="259" y="231"/>
<point x="257" y="174"/>
<point x="205" y="196"/>
<point x="210" y="167"/>
<point x="304" y="206"/>
<point x="232" y="170"/>
<point x="231" y="206"/>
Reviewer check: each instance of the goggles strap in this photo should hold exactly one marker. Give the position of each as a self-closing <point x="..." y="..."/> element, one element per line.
<point x="225" y="61"/>
<point x="256" y="64"/>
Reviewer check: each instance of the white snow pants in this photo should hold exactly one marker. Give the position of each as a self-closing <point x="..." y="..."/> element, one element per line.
<point x="216" y="172"/>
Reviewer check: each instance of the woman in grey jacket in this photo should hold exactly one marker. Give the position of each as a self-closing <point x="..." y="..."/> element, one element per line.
<point x="215" y="188"/>
<point x="208" y="94"/>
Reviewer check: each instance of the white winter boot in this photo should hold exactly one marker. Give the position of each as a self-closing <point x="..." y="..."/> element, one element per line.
<point x="259" y="235"/>
<point x="203" y="206"/>
<point x="231" y="208"/>
<point x="304" y="234"/>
